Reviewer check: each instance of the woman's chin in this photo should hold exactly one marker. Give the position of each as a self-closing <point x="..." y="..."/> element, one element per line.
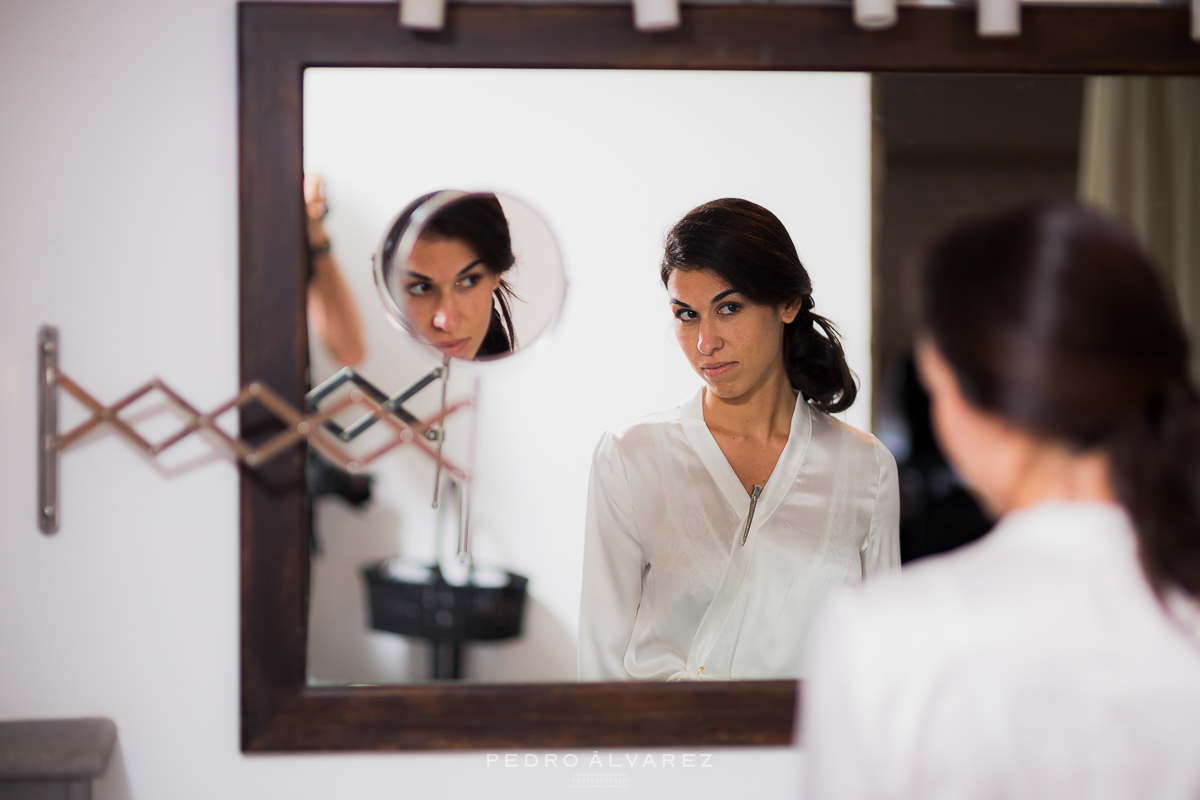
<point x="726" y="390"/>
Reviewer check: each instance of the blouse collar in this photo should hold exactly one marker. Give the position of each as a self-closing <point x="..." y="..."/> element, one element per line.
<point x="1066" y="525"/>
<point x="782" y="477"/>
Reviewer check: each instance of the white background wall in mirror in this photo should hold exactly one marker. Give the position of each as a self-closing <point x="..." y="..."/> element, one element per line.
<point x="611" y="159"/>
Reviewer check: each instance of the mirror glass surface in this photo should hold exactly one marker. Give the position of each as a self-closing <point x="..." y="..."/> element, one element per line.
<point x="474" y="275"/>
<point x="609" y="160"/>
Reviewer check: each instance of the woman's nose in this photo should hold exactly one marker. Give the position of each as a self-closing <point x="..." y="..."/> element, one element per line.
<point x="445" y="316"/>
<point x="708" y="342"/>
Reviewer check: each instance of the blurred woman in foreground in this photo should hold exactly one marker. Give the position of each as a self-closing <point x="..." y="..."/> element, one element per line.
<point x="1060" y="655"/>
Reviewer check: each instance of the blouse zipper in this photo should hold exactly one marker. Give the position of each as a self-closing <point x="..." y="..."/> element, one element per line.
<point x="750" y="517"/>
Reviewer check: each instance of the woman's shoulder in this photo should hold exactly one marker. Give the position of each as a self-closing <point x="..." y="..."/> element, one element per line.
<point x="643" y="439"/>
<point x="655" y="420"/>
<point x="923" y="613"/>
<point x="1029" y="616"/>
<point x="920" y="592"/>
<point x="645" y="429"/>
<point x="1059" y="575"/>
<point x="849" y="440"/>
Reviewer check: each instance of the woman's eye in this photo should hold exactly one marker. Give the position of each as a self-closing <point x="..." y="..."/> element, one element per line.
<point x="467" y="281"/>
<point x="729" y="308"/>
<point x="685" y="315"/>
<point x="417" y="289"/>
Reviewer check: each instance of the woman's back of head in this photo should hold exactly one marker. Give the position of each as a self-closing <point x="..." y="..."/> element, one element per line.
<point x="1052" y="318"/>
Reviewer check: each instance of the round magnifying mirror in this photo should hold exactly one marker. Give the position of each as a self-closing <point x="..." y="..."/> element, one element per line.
<point x="475" y="275"/>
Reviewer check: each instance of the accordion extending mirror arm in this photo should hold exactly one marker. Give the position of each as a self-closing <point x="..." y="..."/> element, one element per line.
<point x="392" y="404"/>
<point x="309" y="425"/>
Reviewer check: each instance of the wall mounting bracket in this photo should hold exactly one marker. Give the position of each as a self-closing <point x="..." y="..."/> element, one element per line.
<point x="314" y="425"/>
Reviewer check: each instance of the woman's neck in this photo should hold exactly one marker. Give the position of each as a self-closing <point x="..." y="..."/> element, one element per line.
<point x="761" y="414"/>
<point x="1053" y="472"/>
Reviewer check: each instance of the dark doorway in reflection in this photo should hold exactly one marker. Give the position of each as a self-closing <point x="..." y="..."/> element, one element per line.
<point x="948" y="147"/>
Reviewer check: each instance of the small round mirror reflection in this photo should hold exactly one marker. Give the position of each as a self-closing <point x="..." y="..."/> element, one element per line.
<point x="476" y="276"/>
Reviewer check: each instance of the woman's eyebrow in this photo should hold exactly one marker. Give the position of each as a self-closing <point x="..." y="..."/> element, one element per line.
<point x="677" y="302"/>
<point x="469" y="267"/>
<point x="724" y="294"/>
<point x="418" y="276"/>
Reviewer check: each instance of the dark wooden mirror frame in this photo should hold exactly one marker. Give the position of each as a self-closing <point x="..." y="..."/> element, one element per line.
<point x="276" y="42"/>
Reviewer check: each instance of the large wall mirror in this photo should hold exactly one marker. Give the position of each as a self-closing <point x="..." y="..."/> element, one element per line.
<point x="603" y="137"/>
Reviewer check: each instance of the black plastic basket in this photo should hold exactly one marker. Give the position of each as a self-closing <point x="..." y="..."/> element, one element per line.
<point x="439" y="611"/>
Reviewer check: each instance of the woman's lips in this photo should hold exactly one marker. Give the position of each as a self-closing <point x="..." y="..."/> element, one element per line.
<point x="452" y="348"/>
<point x="717" y="369"/>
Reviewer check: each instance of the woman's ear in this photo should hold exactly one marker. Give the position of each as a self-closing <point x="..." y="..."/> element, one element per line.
<point x="934" y="374"/>
<point x="990" y="455"/>
<point x="789" y="310"/>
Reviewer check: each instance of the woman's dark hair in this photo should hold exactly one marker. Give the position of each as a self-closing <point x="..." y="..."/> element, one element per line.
<point x="478" y="221"/>
<point x="1053" y="318"/>
<point x="748" y="247"/>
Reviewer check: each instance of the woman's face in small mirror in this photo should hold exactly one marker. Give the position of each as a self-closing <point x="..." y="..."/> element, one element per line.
<point x="731" y="343"/>
<point x="448" y="295"/>
<point x="474" y="276"/>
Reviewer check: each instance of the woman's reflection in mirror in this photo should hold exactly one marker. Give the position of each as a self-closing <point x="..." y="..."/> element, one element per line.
<point x="453" y="289"/>
<point x="1059" y="656"/>
<point x="714" y="528"/>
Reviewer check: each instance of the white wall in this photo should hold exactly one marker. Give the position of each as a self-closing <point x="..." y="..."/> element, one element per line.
<point x="611" y="159"/>
<point x="118" y="222"/>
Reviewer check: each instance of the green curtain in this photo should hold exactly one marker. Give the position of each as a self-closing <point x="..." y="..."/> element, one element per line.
<point x="1140" y="161"/>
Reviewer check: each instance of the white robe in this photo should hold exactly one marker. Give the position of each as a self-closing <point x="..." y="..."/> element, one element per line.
<point x="1035" y="663"/>
<point x="670" y="591"/>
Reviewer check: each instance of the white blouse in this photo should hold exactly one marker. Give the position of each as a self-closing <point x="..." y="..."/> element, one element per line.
<point x="670" y="591"/>
<point x="1035" y="663"/>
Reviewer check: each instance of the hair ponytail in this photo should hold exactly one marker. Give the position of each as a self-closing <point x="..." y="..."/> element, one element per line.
<point x="1053" y="318"/>
<point x="815" y="362"/>
<point x="1156" y="475"/>
<point x="748" y="247"/>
